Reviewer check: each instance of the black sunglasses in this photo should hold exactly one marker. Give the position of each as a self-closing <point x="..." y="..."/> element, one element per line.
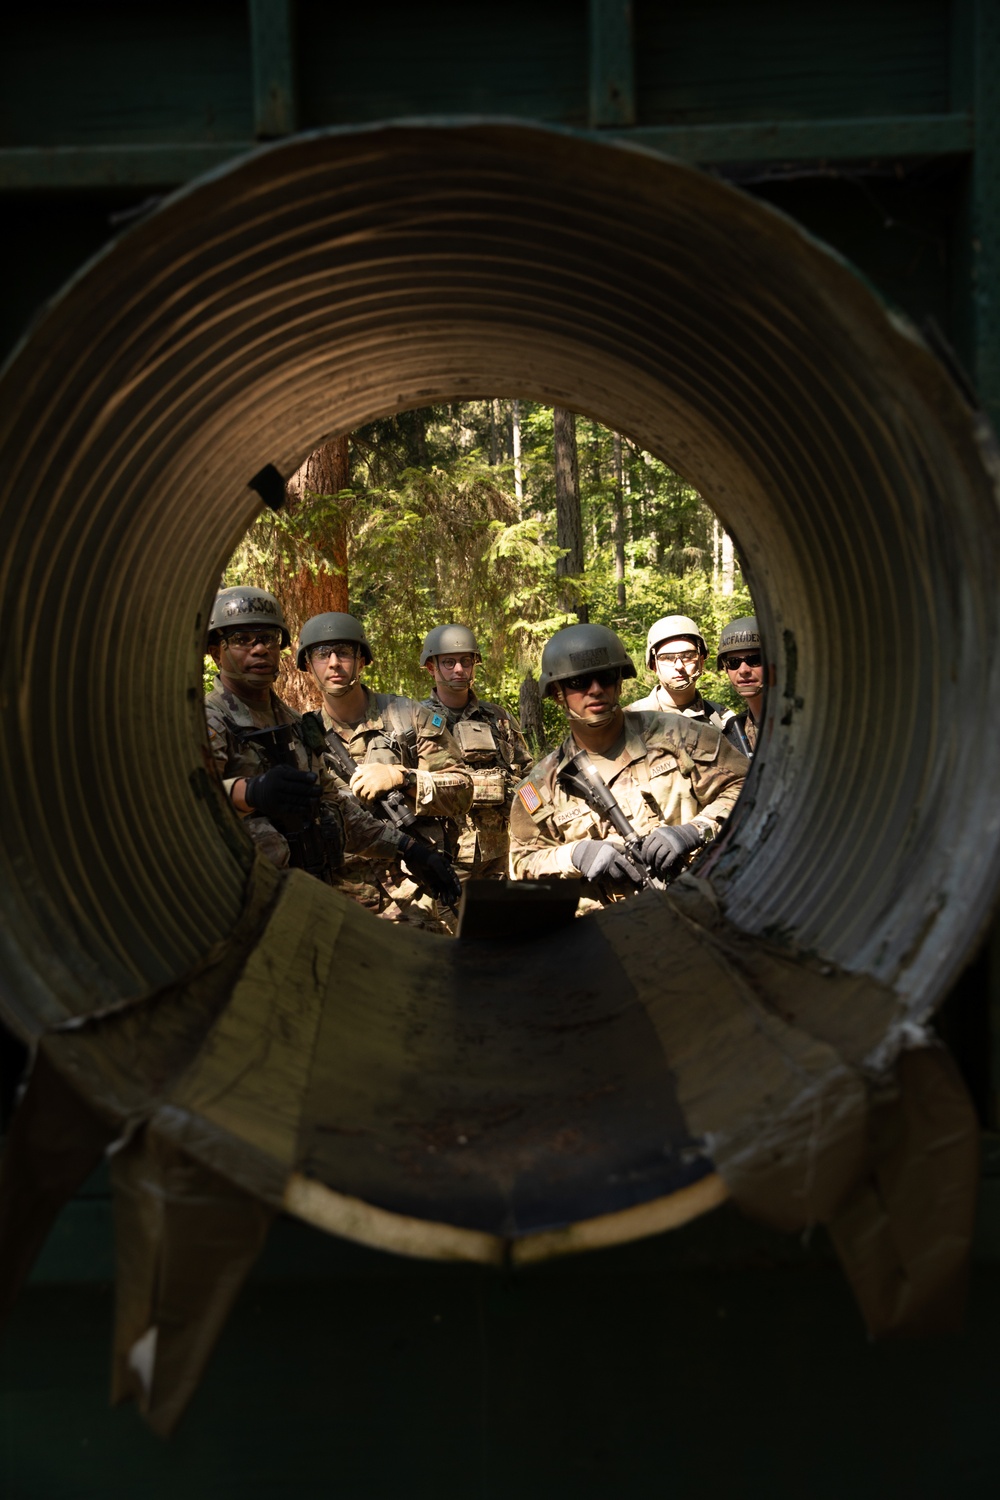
<point x="734" y="659"/>
<point x="579" y="684"/>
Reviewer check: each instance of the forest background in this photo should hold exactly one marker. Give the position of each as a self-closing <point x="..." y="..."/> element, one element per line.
<point x="502" y="515"/>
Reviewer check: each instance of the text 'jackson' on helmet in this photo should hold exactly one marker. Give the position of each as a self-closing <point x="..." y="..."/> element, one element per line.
<point x="448" y="638"/>
<point x="670" y="628"/>
<point x="739" y="635"/>
<point x="582" y="648"/>
<point x="331" y="627"/>
<point x="245" y="606"/>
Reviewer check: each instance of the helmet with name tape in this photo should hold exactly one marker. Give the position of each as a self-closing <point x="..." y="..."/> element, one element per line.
<point x="244" y="607"/>
<point x="739" y="635"/>
<point x="582" y="648"/>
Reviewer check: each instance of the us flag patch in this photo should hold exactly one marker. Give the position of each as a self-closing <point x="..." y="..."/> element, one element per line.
<point x="529" y="797"/>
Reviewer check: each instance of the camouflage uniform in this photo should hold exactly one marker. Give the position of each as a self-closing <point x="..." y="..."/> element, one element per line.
<point x="671" y="771"/>
<point x="493" y="748"/>
<point x="226" y="715"/>
<point x="702" y="710"/>
<point x="399" y="731"/>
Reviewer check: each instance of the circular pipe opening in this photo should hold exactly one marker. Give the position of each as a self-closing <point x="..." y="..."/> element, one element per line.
<point x="343" y="276"/>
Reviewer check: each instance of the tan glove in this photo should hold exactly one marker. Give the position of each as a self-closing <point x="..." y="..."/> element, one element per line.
<point x="371" y="782"/>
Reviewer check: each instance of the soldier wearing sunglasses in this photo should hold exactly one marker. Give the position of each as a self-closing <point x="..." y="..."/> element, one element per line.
<point x="676" y="651"/>
<point x="246" y="636"/>
<point x="676" y="779"/>
<point x="740" y="655"/>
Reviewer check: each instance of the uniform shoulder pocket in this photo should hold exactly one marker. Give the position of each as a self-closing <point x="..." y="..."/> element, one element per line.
<point x="533" y="798"/>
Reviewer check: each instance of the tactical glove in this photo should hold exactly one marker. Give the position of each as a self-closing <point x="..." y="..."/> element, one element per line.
<point x="282" y="789"/>
<point x="431" y="869"/>
<point x="371" y="782"/>
<point x="665" y="850"/>
<point x="599" y="859"/>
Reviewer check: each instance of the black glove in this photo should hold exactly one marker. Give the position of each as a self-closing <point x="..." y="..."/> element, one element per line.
<point x="282" y="789"/>
<point x="428" y="867"/>
<point x="666" y="849"/>
<point x="599" y="859"/>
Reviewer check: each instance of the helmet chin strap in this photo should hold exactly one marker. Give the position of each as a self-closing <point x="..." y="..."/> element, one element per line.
<point x="593" y="721"/>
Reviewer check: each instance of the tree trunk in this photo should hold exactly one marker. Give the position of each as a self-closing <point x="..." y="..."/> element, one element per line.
<point x="515" y="439"/>
<point x="728" y="564"/>
<point x="569" y="521"/>
<point x="303" y="593"/>
<point x="618" y="524"/>
<point x="530" y="713"/>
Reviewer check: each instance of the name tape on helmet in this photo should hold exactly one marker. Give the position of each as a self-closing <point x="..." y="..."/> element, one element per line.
<point x="234" y="607"/>
<point x="597" y="656"/>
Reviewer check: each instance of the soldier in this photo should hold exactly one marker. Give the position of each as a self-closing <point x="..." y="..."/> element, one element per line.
<point x="294" y="811"/>
<point x="676" y="652"/>
<point x="740" y="655"/>
<point x="398" y="745"/>
<point x="491" y="744"/>
<point x="677" y="780"/>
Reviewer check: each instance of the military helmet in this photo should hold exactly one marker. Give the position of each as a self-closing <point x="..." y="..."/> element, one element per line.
<point x="582" y="648"/>
<point x="668" y="629"/>
<point x="243" y="605"/>
<point x="331" y="627"/>
<point x="741" y="634"/>
<point x="444" y="638"/>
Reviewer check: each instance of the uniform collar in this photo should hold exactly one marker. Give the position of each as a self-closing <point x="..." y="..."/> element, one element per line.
<point x="635" y="747"/>
<point x="456" y="713"/>
<point x="373" y="714"/>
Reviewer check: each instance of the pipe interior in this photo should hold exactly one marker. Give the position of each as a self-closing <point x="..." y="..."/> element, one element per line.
<point x="327" y="281"/>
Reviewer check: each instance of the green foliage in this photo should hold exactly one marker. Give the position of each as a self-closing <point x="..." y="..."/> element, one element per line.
<point x="435" y="532"/>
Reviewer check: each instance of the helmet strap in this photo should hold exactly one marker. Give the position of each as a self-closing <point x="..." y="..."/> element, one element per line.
<point x="593" y="723"/>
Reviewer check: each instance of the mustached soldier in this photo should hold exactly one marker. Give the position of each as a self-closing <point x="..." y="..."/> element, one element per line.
<point x="676" y="780"/>
<point x="491" y="744"/>
<point x="277" y="801"/>
<point x="396" y="744"/>
<point x="676" y="651"/>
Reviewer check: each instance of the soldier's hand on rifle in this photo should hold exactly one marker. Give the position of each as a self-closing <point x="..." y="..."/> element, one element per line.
<point x="373" y="781"/>
<point x="665" y="850"/>
<point x="599" y="859"/>
<point x="282" y="789"/>
<point x="427" y="867"/>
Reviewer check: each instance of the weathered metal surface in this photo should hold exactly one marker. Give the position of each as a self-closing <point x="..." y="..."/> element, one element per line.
<point x="370" y="270"/>
<point x="336" y="278"/>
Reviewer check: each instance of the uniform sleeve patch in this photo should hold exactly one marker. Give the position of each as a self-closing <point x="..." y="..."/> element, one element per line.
<point x="437" y="721"/>
<point x="529" y="796"/>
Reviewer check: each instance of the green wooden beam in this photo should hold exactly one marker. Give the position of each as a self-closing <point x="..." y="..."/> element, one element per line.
<point x="985" y="211"/>
<point x="612" y="63"/>
<point x="812" y="140"/>
<point x="271" y="38"/>
<point x="66" y="167"/>
<point x="60" y="167"/>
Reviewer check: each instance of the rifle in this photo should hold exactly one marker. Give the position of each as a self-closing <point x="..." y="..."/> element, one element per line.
<point x="586" y="782"/>
<point x="393" y="807"/>
<point x="316" y="844"/>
